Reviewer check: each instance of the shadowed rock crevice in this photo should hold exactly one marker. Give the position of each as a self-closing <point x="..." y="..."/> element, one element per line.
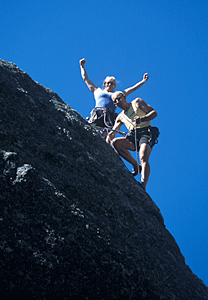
<point x="75" y="224"/>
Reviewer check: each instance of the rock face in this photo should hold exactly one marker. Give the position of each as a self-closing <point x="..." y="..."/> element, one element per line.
<point x="74" y="223"/>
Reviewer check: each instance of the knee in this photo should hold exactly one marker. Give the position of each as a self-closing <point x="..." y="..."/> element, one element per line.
<point x="116" y="144"/>
<point x="144" y="154"/>
<point x="144" y="159"/>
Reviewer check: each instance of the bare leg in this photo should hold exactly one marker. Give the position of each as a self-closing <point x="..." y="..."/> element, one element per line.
<point x="122" y="145"/>
<point x="144" y="154"/>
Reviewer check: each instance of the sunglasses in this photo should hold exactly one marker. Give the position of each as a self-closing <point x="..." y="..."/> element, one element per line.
<point x="109" y="82"/>
<point x="117" y="99"/>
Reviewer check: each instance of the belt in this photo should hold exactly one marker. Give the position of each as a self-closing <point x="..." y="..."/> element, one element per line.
<point x="140" y="130"/>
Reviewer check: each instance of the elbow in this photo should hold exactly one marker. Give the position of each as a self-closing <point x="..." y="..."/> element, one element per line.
<point x="155" y="114"/>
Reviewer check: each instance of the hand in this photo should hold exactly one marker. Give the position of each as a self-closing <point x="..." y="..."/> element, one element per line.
<point x="145" y="77"/>
<point x="138" y="120"/>
<point x="82" y="62"/>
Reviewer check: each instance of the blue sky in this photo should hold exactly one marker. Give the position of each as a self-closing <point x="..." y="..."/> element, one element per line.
<point x="167" y="39"/>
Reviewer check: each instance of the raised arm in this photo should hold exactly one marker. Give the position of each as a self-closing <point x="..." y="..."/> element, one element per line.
<point x="136" y="86"/>
<point x="92" y="87"/>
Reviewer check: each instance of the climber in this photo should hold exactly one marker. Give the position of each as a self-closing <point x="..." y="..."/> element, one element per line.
<point x="103" y="100"/>
<point x="136" y="116"/>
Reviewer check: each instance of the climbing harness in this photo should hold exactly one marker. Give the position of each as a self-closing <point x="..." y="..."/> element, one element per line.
<point x="155" y="134"/>
<point x="101" y="118"/>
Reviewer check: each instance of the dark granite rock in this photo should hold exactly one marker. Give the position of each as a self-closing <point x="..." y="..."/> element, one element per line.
<point x="74" y="223"/>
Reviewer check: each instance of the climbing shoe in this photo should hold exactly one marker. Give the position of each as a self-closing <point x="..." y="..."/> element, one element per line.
<point x="136" y="170"/>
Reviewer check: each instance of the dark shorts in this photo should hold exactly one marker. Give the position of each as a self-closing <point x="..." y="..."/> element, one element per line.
<point x="102" y="118"/>
<point x="146" y="135"/>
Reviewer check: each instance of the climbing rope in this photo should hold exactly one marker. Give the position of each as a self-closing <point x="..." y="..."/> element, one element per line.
<point x="137" y="158"/>
<point x="135" y="132"/>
